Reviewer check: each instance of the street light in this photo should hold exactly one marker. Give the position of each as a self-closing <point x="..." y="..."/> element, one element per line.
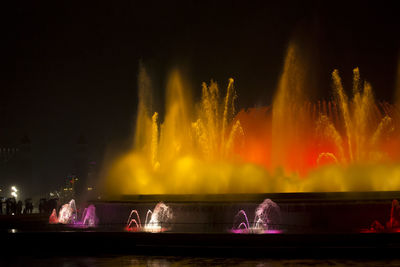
<point x="14" y="191"/>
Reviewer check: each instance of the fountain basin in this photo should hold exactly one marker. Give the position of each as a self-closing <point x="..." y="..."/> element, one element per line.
<point x="334" y="212"/>
<point x="315" y="224"/>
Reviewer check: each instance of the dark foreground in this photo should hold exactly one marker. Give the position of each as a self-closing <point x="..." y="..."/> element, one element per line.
<point x="166" y="261"/>
<point x="86" y="243"/>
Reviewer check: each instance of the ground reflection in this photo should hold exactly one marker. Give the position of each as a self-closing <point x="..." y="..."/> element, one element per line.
<point x="166" y="261"/>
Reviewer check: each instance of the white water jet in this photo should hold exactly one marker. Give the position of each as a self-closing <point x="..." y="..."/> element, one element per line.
<point x="154" y="221"/>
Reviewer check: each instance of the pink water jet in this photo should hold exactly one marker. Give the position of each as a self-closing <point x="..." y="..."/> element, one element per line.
<point x="68" y="215"/>
<point x="266" y="220"/>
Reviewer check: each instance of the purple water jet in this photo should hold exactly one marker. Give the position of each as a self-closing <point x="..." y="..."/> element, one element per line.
<point x="68" y="215"/>
<point x="266" y="220"/>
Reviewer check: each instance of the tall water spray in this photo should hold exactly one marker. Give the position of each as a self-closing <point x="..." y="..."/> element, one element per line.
<point x="398" y="84"/>
<point x="348" y="143"/>
<point x="288" y="120"/>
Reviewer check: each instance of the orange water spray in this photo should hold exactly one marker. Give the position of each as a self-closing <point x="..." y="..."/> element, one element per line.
<point x="350" y="143"/>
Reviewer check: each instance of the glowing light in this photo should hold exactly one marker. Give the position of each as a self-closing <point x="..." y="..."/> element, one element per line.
<point x="161" y="215"/>
<point x="68" y="215"/>
<point x="350" y="143"/>
<point x="14" y="191"/>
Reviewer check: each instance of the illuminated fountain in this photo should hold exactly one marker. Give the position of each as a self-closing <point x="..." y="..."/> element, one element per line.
<point x="155" y="220"/>
<point x="68" y="215"/>
<point x="349" y="143"/>
<point x="267" y="219"/>
<point x="393" y="225"/>
<point x="89" y="218"/>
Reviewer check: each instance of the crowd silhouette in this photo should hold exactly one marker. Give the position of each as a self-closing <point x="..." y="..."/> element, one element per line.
<point x="10" y="206"/>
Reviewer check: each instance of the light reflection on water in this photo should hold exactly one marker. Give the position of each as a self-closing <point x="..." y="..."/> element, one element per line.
<point x="165" y="261"/>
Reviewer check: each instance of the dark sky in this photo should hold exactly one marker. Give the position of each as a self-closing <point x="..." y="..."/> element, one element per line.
<point x="76" y="62"/>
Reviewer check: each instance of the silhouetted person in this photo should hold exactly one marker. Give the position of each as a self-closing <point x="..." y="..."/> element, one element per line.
<point x="8" y="206"/>
<point x="42" y="205"/>
<point x="14" y="205"/>
<point x="19" y="207"/>
<point x="28" y="205"/>
<point x="11" y="207"/>
<point x="30" y="210"/>
<point x="48" y="206"/>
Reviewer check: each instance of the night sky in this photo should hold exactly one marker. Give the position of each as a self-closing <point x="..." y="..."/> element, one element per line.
<point x="76" y="63"/>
